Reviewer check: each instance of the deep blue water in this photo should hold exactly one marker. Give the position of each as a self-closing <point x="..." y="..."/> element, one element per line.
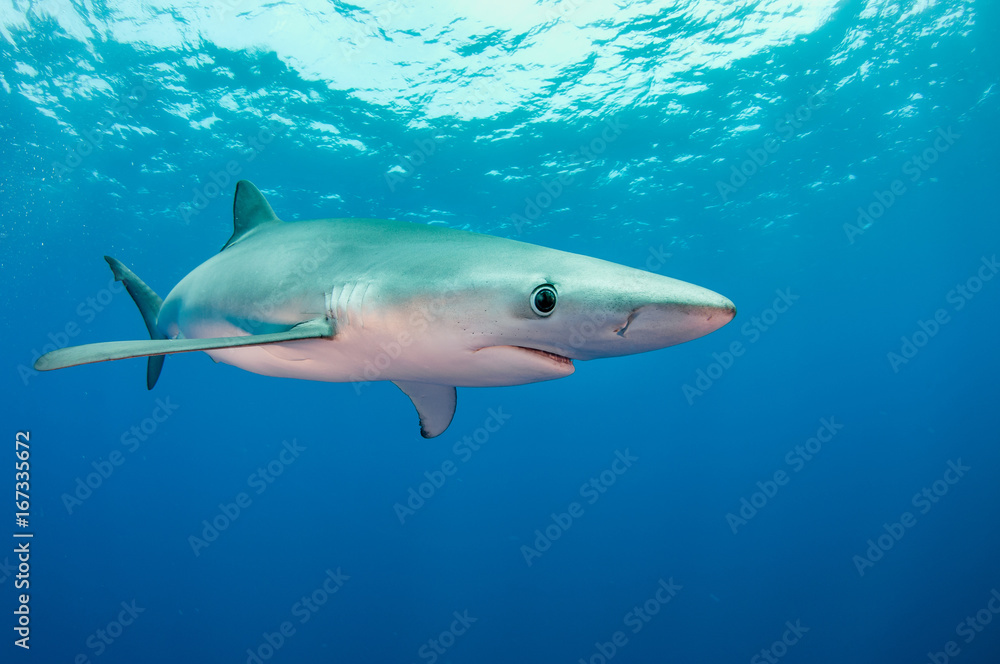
<point x="118" y="124"/>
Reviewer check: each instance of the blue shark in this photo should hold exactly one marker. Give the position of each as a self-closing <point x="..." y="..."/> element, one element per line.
<point x="427" y="307"/>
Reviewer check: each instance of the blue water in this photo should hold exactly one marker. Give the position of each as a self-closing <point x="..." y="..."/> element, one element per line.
<point x="733" y="145"/>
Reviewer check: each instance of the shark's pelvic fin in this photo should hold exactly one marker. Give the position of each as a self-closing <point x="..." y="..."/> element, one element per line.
<point x="149" y="304"/>
<point x="435" y="405"/>
<point x="250" y="210"/>
<point x="120" y="350"/>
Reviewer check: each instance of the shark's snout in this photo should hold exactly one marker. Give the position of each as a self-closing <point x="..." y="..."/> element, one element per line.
<point x="659" y="325"/>
<point x="654" y="320"/>
<point x="715" y="312"/>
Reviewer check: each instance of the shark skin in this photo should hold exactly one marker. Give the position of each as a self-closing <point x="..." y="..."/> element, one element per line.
<point x="427" y="307"/>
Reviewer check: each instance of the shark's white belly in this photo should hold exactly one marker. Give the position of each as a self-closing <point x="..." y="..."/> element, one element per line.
<point x="356" y="355"/>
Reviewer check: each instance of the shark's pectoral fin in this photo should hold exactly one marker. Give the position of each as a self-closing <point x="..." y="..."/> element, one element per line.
<point x="435" y="405"/>
<point x="120" y="350"/>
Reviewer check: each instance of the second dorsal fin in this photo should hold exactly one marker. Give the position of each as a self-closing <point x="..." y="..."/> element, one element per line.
<point x="250" y="210"/>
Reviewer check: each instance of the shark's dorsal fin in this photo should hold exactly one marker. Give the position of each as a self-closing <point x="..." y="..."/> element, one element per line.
<point x="435" y="405"/>
<point x="250" y="210"/>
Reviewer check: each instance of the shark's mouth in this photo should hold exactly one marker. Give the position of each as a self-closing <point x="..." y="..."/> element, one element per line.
<point x="559" y="359"/>
<point x="517" y="365"/>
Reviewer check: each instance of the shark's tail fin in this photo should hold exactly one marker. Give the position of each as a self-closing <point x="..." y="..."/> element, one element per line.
<point x="149" y="304"/>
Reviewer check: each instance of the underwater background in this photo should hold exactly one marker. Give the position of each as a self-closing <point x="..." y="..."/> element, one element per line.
<point x="815" y="482"/>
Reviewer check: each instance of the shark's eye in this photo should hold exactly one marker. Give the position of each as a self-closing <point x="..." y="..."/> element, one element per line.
<point x="543" y="300"/>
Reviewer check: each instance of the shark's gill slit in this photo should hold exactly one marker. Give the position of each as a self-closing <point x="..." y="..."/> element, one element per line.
<point x="342" y="299"/>
<point x="360" y="305"/>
